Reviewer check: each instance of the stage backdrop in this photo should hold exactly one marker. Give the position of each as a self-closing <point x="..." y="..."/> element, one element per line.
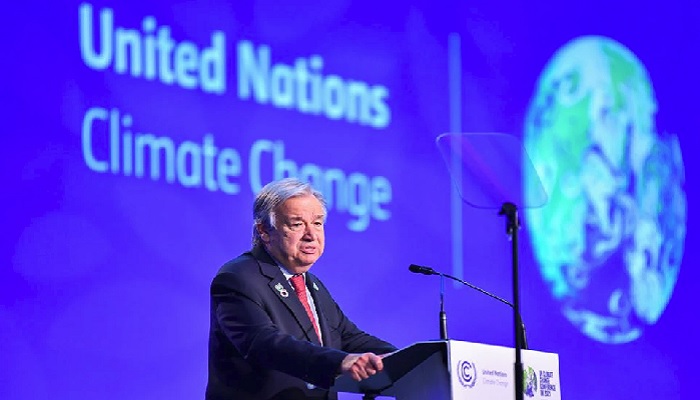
<point x="136" y="135"/>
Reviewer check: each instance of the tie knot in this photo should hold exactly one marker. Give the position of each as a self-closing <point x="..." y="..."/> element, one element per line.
<point x="298" y="282"/>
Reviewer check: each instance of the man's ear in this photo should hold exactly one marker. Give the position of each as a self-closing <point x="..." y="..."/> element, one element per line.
<point x="263" y="232"/>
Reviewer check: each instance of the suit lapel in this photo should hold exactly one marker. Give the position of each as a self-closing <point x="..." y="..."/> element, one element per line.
<point x="321" y="298"/>
<point x="285" y="293"/>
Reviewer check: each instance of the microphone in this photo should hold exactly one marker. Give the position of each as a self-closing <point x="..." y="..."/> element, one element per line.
<point x="420" y="269"/>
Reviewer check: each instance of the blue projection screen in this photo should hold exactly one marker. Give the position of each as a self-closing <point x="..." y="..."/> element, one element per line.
<point x="138" y="133"/>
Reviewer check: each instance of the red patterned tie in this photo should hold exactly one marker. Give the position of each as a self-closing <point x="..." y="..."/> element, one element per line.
<point x="299" y="287"/>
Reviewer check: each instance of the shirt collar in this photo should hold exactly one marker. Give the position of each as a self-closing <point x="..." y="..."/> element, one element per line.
<point x="287" y="274"/>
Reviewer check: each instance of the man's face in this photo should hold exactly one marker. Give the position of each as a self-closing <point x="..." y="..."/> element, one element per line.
<point x="297" y="238"/>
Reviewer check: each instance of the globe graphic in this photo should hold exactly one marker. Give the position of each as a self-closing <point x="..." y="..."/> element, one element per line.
<point x="609" y="242"/>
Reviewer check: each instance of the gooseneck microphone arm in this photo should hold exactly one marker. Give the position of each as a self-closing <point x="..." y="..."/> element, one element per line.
<point x="419" y="269"/>
<point x="443" y="314"/>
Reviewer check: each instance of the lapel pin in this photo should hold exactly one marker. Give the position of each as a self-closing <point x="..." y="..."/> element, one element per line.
<point x="315" y="287"/>
<point x="282" y="290"/>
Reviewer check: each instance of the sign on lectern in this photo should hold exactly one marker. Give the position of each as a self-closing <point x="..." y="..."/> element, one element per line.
<point x="456" y="370"/>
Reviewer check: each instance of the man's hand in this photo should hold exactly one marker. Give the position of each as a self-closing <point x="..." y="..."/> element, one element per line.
<point x="361" y="366"/>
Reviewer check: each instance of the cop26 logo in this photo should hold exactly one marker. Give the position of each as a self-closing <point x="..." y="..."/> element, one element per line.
<point x="529" y="382"/>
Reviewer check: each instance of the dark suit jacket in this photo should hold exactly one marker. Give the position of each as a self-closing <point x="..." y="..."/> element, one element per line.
<point x="262" y="345"/>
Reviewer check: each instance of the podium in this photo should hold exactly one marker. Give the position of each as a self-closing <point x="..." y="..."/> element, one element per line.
<point x="456" y="370"/>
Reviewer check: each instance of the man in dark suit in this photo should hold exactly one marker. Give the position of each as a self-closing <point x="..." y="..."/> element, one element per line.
<point x="276" y="333"/>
